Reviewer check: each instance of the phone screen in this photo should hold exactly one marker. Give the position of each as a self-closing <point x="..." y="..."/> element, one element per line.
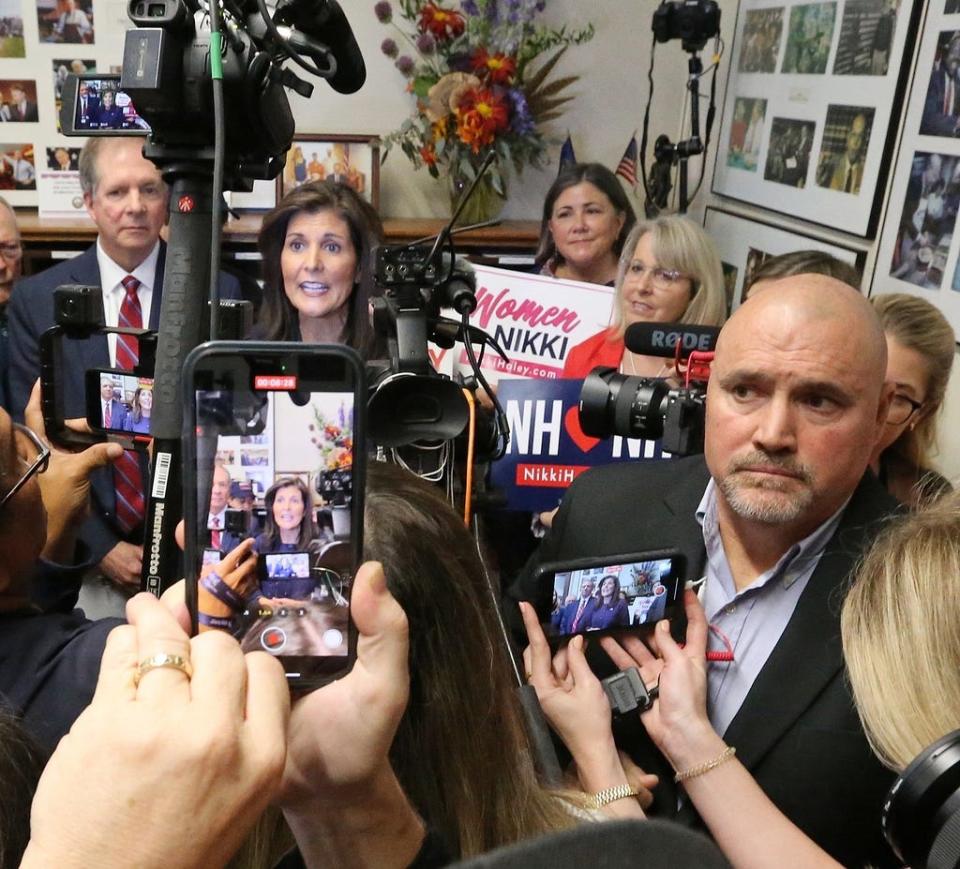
<point x="632" y="592"/>
<point x="273" y="429"/>
<point x="118" y="401"/>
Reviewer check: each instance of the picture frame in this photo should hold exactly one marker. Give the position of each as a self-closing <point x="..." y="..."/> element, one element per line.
<point x="744" y="243"/>
<point x="814" y="92"/>
<point x="919" y="246"/>
<point x="318" y="156"/>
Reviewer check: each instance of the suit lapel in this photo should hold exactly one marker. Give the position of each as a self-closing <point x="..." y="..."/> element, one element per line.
<point x="809" y="654"/>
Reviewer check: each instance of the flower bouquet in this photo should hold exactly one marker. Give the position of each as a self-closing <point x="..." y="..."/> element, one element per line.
<point x="480" y="72"/>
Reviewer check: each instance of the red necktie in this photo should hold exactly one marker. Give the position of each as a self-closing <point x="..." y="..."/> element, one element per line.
<point x="106" y="414"/>
<point x="128" y="480"/>
<point x="215" y="534"/>
<point x="576" y="621"/>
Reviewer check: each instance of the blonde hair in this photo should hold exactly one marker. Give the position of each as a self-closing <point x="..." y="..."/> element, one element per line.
<point x="900" y="633"/>
<point x="679" y="243"/>
<point x="919" y="326"/>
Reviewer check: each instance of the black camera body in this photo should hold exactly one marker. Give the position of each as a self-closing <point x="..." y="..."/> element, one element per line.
<point x="693" y="22"/>
<point x="643" y="407"/>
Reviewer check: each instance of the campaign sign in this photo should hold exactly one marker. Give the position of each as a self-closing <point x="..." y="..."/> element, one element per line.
<point x="548" y="450"/>
<point x="535" y="319"/>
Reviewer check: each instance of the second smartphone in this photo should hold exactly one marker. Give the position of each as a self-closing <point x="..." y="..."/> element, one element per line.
<point x="276" y="431"/>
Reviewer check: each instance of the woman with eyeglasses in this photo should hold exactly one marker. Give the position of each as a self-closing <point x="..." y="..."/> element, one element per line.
<point x="920" y="351"/>
<point x="669" y="272"/>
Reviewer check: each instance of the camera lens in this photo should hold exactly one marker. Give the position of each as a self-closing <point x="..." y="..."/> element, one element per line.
<point x="617" y="404"/>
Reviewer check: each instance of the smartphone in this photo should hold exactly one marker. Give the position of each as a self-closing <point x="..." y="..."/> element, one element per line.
<point x="94" y="104"/>
<point x="283" y="417"/>
<point x="600" y="595"/>
<point x="211" y="556"/>
<point x="118" y="402"/>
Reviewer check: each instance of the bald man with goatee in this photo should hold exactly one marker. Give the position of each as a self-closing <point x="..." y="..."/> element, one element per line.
<point x="772" y="518"/>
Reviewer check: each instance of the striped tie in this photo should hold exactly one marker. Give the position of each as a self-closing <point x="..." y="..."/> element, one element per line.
<point x="127" y="477"/>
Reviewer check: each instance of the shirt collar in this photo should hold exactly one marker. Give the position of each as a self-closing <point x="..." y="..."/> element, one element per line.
<point x="791" y="564"/>
<point x="111" y="274"/>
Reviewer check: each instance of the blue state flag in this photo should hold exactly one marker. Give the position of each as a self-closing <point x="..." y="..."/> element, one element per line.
<point x="567" y="157"/>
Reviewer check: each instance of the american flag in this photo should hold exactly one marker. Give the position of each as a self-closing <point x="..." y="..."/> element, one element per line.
<point x="567" y="157"/>
<point x="627" y="169"/>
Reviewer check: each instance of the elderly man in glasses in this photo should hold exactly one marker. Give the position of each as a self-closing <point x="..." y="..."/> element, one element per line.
<point x="44" y="495"/>
<point x="10" y="259"/>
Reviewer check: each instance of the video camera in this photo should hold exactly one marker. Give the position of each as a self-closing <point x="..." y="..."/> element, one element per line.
<point x="693" y="22"/>
<point x="648" y="407"/>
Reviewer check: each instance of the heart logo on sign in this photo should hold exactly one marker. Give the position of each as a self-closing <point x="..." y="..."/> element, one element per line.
<point x="571" y="421"/>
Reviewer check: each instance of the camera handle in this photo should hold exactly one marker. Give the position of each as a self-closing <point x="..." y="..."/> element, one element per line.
<point x="667" y="153"/>
<point x="186" y="279"/>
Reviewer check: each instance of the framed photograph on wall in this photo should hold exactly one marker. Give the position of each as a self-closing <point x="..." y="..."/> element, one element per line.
<point x="812" y="101"/>
<point x="919" y="242"/>
<point x="745" y="243"/>
<point x="351" y="160"/>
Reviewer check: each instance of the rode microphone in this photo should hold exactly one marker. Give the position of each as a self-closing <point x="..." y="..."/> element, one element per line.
<point x="324" y="21"/>
<point x="663" y="339"/>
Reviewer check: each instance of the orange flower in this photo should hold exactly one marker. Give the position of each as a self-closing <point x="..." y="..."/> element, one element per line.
<point x="428" y="155"/>
<point x="480" y="116"/>
<point x="498" y="68"/>
<point x="442" y="23"/>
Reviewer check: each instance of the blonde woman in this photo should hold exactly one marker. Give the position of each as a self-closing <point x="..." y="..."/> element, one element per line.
<point x="669" y="272"/>
<point x="920" y="351"/>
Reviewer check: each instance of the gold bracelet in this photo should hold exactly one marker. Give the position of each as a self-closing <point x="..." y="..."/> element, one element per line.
<point x="701" y="768"/>
<point x="609" y="795"/>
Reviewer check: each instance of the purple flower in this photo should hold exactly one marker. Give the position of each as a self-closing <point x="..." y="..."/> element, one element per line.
<point x="521" y="121"/>
<point x="405" y="64"/>
<point x="470" y="7"/>
<point x="384" y="12"/>
<point x="426" y="43"/>
<point x="389" y="48"/>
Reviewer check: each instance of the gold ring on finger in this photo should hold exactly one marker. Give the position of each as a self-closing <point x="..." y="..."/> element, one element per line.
<point x="160" y="661"/>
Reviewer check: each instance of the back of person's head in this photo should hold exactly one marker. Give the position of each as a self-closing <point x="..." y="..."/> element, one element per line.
<point x="804" y="262"/>
<point x="679" y="243"/>
<point x="900" y="635"/>
<point x="461" y="751"/>
<point x="21" y="762"/>
<point x="569" y="176"/>
<point x="918" y="325"/>
<point x="278" y="318"/>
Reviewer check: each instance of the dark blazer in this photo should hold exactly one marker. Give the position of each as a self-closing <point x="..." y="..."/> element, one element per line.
<point x="30" y="314"/>
<point x="934" y="121"/>
<point x="570" y="613"/>
<point x="797" y="732"/>
<point x="118" y="415"/>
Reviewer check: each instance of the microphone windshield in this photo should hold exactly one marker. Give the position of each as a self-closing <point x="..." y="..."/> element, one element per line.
<point x="660" y="339"/>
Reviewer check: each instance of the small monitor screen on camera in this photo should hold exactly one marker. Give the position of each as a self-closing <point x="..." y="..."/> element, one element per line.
<point x="101" y="105"/>
<point x="285" y="565"/>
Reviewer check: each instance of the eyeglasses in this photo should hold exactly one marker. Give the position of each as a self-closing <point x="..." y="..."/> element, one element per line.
<point x="901" y="409"/>
<point x="11" y="250"/>
<point x="662" y="279"/>
<point x="35" y="464"/>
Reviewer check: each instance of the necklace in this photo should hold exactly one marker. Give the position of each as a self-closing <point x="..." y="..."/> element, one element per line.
<point x="629" y="355"/>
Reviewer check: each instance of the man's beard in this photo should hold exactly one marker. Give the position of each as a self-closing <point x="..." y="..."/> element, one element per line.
<point x="737" y="490"/>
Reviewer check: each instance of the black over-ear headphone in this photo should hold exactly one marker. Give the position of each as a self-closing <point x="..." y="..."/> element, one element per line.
<point x="921" y="815"/>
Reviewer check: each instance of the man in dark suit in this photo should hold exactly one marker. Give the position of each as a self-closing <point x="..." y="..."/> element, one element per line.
<point x="113" y="412"/>
<point x="941" y="107"/>
<point x="773" y="518"/>
<point x="576" y="614"/>
<point x="21" y="109"/>
<point x="127" y="199"/>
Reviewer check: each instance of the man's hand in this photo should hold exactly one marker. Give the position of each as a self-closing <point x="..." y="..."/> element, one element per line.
<point x="170" y="772"/>
<point x="122" y="565"/>
<point x="65" y="485"/>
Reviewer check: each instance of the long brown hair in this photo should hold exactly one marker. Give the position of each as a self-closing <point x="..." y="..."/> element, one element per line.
<point x="308" y="531"/>
<point x="461" y="751"/>
<point x="278" y="318"/>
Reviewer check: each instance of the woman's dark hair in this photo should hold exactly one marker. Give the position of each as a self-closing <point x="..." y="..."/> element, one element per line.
<point x="601" y="178"/>
<point x="137" y="410"/>
<point x="616" y="588"/>
<point x="308" y="532"/>
<point x="21" y="762"/>
<point x="278" y="318"/>
<point x="461" y="751"/>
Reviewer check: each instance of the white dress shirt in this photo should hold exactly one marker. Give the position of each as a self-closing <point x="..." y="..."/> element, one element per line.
<point x="111" y="276"/>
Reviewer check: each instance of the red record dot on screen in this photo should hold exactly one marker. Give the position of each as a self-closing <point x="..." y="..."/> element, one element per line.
<point x="273" y="639"/>
<point x="659" y="589"/>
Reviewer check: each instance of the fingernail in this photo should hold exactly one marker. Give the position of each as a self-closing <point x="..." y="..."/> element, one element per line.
<point x="664" y="625"/>
<point x="578" y="642"/>
<point x="378" y="580"/>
